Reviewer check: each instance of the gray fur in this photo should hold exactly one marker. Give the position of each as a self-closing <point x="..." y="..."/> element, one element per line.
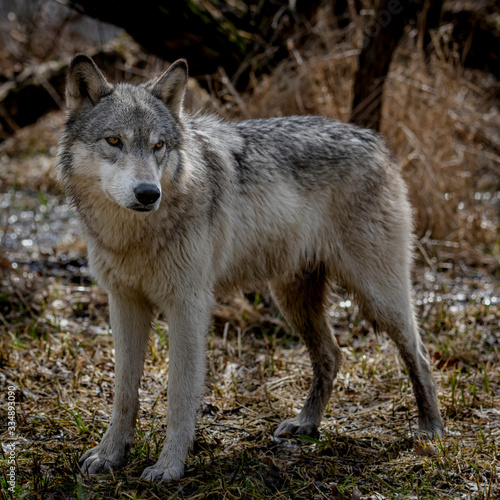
<point x="295" y="202"/>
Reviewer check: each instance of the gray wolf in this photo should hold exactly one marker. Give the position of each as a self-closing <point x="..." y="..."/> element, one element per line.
<point x="174" y="207"/>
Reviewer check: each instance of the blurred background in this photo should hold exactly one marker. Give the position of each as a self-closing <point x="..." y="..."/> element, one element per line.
<point x="424" y="73"/>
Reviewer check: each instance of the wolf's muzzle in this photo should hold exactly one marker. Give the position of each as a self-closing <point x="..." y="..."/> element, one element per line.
<point x="147" y="194"/>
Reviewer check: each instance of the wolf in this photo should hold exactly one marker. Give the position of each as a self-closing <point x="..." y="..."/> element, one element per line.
<point x="175" y="207"/>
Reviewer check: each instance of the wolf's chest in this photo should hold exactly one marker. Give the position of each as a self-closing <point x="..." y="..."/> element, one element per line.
<point x="136" y="269"/>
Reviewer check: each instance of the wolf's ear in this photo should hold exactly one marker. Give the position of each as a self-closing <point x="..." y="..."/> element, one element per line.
<point x="171" y="86"/>
<point x="85" y="84"/>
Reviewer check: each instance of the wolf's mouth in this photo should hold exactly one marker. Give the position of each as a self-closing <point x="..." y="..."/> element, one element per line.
<point x="141" y="208"/>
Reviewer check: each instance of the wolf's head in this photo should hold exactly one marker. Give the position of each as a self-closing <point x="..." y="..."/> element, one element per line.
<point x="120" y="139"/>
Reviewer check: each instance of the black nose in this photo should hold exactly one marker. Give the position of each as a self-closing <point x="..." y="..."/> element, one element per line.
<point x="146" y="193"/>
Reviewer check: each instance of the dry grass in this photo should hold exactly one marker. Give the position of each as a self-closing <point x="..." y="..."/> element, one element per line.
<point x="55" y="347"/>
<point x="60" y="358"/>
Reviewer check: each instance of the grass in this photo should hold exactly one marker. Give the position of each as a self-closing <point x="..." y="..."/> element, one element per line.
<point x="256" y="378"/>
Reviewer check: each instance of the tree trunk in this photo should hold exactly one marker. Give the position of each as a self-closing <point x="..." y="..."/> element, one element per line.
<point x="381" y="39"/>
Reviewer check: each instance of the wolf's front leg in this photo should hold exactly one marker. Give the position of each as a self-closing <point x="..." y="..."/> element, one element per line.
<point x="130" y="325"/>
<point x="188" y="324"/>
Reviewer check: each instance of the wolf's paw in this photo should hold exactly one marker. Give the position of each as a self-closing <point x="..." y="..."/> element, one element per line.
<point x="100" y="459"/>
<point x="161" y="474"/>
<point x="430" y="429"/>
<point x="295" y="426"/>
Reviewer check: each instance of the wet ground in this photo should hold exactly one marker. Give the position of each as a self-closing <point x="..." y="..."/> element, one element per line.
<point x="39" y="236"/>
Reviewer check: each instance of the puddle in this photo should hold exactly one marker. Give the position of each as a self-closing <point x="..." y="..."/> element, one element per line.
<point x="39" y="235"/>
<point x="34" y="222"/>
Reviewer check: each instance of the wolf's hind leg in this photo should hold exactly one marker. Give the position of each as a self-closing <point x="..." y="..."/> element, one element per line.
<point x="130" y="325"/>
<point x="302" y="303"/>
<point x="398" y="320"/>
<point x="379" y="278"/>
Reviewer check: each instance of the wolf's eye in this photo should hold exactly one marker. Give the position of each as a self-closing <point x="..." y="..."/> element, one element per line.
<point x="114" y="141"/>
<point x="159" y="145"/>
